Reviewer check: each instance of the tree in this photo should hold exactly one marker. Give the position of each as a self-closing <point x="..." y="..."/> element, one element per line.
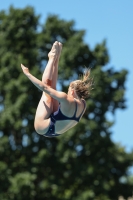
<point x="83" y="163"/>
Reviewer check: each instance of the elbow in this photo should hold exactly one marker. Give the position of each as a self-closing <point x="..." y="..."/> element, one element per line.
<point x="44" y="87"/>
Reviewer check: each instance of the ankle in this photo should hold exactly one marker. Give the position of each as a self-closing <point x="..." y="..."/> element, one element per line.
<point x="51" y="60"/>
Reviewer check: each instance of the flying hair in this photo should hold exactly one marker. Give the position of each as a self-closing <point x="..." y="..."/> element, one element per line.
<point x="83" y="86"/>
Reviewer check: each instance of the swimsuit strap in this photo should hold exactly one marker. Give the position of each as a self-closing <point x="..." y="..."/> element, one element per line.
<point x="76" y="110"/>
<point x="84" y="107"/>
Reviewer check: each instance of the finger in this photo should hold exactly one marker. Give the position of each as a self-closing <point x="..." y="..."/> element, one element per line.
<point x="22" y="66"/>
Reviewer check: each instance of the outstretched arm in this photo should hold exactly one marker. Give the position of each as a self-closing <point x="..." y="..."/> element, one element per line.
<point x="33" y="79"/>
<point x="59" y="96"/>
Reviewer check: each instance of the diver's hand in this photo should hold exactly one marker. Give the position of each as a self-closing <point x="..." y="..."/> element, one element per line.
<point x="25" y="70"/>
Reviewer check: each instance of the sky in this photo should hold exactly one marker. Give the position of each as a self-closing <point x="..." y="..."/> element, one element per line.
<point x="110" y="20"/>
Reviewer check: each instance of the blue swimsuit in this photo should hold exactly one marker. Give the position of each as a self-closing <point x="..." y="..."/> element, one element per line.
<point x="59" y="116"/>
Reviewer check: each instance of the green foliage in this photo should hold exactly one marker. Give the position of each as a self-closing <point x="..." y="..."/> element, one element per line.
<point x="22" y="184"/>
<point x="81" y="164"/>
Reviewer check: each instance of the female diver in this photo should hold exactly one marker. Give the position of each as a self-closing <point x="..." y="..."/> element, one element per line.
<point x="57" y="111"/>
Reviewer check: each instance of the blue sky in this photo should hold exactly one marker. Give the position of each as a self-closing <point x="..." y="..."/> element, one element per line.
<point x="110" y="20"/>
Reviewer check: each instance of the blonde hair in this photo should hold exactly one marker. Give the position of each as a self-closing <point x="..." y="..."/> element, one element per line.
<point x="83" y="86"/>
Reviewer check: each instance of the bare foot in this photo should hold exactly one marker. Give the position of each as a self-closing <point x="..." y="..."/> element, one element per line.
<point x="60" y="49"/>
<point x="59" y="52"/>
<point x="54" y="51"/>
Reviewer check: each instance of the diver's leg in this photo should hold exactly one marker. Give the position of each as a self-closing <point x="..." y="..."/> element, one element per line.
<point x="55" y="68"/>
<point x="45" y="106"/>
<point x="55" y="77"/>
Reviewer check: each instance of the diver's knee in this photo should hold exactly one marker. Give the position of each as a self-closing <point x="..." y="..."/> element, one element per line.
<point x="48" y="82"/>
